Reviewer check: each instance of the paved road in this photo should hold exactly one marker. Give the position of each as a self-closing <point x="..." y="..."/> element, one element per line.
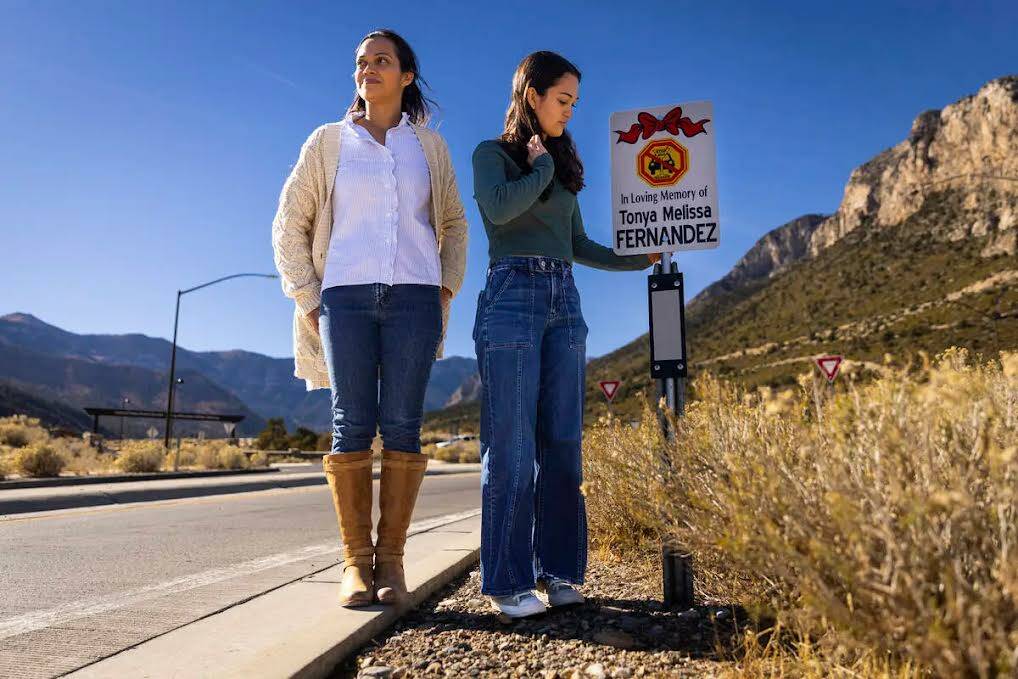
<point x="77" y="587"/>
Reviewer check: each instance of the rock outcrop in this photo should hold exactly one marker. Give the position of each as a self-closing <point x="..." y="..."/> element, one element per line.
<point x="970" y="146"/>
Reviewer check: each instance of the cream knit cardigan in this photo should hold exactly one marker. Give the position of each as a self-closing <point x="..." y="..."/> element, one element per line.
<point x="303" y="225"/>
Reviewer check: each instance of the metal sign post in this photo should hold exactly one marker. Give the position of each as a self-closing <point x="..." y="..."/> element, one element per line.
<point x="669" y="367"/>
<point x="665" y="200"/>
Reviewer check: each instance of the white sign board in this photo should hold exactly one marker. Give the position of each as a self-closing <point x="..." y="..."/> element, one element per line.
<point x="664" y="179"/>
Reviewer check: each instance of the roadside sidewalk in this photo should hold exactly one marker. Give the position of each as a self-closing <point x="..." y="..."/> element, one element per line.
<point x="60" y="481"/>
<point x="297" y="630"/>
<point x="16" y="501"/>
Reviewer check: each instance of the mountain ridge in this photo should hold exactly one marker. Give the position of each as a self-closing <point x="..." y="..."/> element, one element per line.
<point x="264" y="384"/>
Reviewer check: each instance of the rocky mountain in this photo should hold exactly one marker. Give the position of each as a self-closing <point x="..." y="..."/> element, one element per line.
<point x="770" y="255"/>
<point x="919" y="256"/>
<point x="468" y="392"/>
<point x="99" y="370"/>
<point x="967" y="147"/>
<point x="447" y="379"/>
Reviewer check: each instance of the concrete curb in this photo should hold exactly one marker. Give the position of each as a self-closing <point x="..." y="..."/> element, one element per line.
<point x="297" y="630"/>
<point x="26" y="500"/>
<point x="445" y="571"/>
<point x="60" y="481"/>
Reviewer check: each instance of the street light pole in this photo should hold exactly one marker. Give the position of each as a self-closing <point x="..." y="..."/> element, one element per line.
<point x="173" y="369"/>
<point x="173" y="352"/>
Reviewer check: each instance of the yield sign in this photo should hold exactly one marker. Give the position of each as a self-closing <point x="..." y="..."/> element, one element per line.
<point x="610" y="388"/>
<point x="829" y="366"/>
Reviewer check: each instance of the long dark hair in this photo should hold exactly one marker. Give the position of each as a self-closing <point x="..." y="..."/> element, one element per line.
<point x="540" y="70"/>
<point x="415" y="104"/>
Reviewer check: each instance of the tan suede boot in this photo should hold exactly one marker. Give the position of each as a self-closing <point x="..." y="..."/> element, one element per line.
<point x="349" y="476"/>
<point x="401" y="479"/>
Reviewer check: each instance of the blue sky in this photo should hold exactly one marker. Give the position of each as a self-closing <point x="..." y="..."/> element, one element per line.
<point x="143" y="144"/>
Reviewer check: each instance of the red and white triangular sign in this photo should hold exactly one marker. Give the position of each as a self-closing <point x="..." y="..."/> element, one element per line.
<point x="610" y="388"/>
<point x="829" y="366"/>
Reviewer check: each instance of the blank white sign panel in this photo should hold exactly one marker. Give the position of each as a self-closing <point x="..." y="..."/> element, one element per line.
<point x="666" y="316"/>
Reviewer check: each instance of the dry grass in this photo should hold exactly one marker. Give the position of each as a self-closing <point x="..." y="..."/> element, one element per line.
<point x="26" y="448"/>
<point x="39" y="460"/>
<point x="770" y="655"/>
<point x="140" y="459"/>
<point x="208" y="454"/>
<point x="84" y="459"/>
<point x="876" y="522"/>
<point x="460" y="451"/>
<point x="19" y="431"/>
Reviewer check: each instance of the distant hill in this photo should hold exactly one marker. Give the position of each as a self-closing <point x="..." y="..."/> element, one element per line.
<point x="77" y="383"/>
<point x="54" y="414"/>
<point x="99" y="370"/>
<point x="447" y="379"/>
<point x="920" y="255"/>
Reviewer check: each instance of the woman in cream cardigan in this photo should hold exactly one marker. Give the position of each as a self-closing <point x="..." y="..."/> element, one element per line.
<point x="370" y="242"/>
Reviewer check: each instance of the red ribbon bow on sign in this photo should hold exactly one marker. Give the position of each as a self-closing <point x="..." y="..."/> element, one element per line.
<point x="673" y="121"/>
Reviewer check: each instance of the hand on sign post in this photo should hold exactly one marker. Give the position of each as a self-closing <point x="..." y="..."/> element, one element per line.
<point x="313" y="319"/>
<point x="535" y="149"/>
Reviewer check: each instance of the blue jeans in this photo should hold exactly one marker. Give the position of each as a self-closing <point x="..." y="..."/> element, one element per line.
<point x="531" y="340"/>
<point x="380" y="342"/>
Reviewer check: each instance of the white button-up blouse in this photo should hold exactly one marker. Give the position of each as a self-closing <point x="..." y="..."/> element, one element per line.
<point x="381" y="233"/>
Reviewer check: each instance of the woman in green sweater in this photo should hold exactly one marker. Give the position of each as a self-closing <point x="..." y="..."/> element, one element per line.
<point x="530" y="338"/>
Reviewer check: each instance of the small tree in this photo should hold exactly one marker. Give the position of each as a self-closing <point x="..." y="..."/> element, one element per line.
<point x="274" y="436"/>
<point x="304" y="439"/>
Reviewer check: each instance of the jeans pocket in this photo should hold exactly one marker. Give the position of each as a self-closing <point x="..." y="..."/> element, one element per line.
<point x="578" y="334"/>
<point x="477" y="315"/>
<point x="577" y="325"/>
<point x="498" y="281"/>
<point x="507" y="319"/>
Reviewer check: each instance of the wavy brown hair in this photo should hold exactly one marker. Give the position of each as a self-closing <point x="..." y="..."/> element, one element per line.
<point x="540" y="70"/>
<point x="414" y="104"/>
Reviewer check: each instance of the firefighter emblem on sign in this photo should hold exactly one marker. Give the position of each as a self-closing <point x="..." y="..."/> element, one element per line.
<point x="662" y="162"/>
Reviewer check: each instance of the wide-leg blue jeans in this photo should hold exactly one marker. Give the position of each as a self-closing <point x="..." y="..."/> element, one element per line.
<point x="531" y="338"/>
<point x="380" y="343"/>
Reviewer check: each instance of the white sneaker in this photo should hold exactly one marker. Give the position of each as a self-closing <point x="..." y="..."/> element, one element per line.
<point x="520" y="605"/>
<point x="560" y="592"/>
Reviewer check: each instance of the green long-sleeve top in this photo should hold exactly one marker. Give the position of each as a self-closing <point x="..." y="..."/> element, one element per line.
<point x="518" y="224"/>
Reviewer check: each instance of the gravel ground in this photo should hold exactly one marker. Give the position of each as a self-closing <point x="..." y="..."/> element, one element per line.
<point x="621" y="631"/>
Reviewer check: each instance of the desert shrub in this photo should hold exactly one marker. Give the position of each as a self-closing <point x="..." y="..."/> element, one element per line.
<point x="876" y="519"/>
<point x="82" y="458"/>
<point x="40" y="460"/>
<point x="207" y="457"/>
<point x="139" y="459"/>
<point x="231" y="457"/>
<point x="187" y="458"/>
<point x="461" y="451"/>
<point x="258" y="460"/>
<point x="219" y="455"/>
<point x="19" y="431"/>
